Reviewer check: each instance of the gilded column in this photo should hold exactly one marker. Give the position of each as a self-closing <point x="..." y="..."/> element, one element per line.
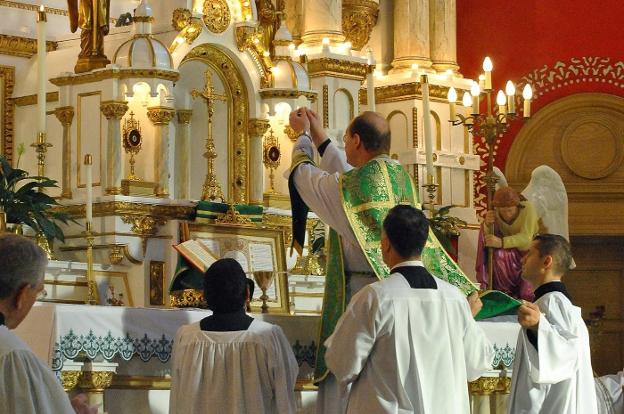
<point x="257" y="128"/>
<point x="322" y="19"/>
<point x="65" y="114"/>
<point x="113" y="111"/>
<point x="182" y="152"/>
<point x="161" y="117"/>
<point x="443" y="34"/>
<point x="411" y="35"/>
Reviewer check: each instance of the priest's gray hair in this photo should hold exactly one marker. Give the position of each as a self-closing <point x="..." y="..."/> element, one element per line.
<point x="22" y="263"/>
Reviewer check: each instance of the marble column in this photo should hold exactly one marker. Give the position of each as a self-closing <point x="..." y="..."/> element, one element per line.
<point x="161" y="117"/>
<point x="113" y="111"/>
<point x="442" y="18"/>
<point x="256" y="128"/>
<point x="182" y="182"/>
<point x="65" y="114"/>
<point x="322" y="19"/>
<point x="411" y="35"/>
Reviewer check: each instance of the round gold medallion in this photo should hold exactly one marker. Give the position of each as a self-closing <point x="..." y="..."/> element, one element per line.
<point x="217" y="15"/>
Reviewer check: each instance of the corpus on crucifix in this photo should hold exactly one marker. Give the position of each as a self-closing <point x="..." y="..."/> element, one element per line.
<point x="211" y="189"/>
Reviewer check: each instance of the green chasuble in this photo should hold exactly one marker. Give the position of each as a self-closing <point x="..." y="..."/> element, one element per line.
<point x="367" y="193"/>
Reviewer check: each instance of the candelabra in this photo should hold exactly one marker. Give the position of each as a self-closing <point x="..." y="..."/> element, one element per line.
<point x="489" y="126"/>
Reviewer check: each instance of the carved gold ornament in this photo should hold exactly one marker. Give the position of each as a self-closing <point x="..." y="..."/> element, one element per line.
<point x="291" y="133"/>
<point x="21" y="46"/>
<point x="188" y="298"/>
<point x="405" y="92"/>
<point x="258" y="127"/>
<point x="7" y="110"/>
<point x="69" y="379"/>
<point x="90" y="77"/>
<point x="144" y="226"/>
<point x="96" y="380"/>
<point x="358" y="19"/>
<point x="181" y="18"/>
<point x="160" y="115"/>
<point x="217" y="15"/>
<point x="65" y="115"/>
<point x="113" y="109"/>
<point x="490" y="385"/>
<point x="337" y="68"/>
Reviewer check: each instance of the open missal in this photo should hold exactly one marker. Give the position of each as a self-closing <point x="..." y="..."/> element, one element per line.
<point x="197" y="254"/>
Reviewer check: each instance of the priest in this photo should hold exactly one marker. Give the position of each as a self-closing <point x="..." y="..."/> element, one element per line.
<point x="229" y="362"/>
<point x="352" y="191"/>
<point x="27" y="385"/>
<point x="408" y="343"/>
<point x="552" y="370"/>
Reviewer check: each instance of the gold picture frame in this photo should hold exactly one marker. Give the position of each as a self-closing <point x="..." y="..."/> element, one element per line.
<point x="255" y="248"/>
<point x="119" y="295"/>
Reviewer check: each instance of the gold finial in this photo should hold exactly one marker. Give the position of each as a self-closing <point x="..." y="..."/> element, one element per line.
<point x="88" y="159"/>
<point x="41" y="14"/>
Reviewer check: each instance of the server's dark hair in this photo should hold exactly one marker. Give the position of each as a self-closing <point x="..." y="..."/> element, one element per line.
<point x="558" y="248"/>
<point x="225" y="286"/>
<point x="407" y="229"/>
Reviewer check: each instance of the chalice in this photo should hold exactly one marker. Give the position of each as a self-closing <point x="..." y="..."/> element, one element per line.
<point x="264" y="278"/>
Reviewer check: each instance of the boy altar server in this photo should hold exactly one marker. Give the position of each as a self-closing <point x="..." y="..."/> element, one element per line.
<point x="409" y="343"/>
<point x="552" y="371"/>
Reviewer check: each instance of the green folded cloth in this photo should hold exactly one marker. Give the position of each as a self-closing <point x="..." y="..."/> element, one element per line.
<point x="207" y="211"/>
<point x="496" y="303"/>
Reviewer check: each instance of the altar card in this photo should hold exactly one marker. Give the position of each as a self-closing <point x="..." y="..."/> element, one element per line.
<point x="255" y="248"/>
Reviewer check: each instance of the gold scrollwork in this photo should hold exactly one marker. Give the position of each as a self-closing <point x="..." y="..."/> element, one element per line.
<point x="217" y="15"/>
<point x="490" y="385"/>
<point x="288" y="94"/>
<point x="184" y="116"/>
<point x="337" y="68"/>
<point x="144" y="226"/>
<point x="118" y="208"/>
<point x="113" y="109"/>
<point x="238" y="151"/>
<point x="21" y="46"/>
<point x="181" y="18"/>
<point x="160" y="115"/>
<point x="358" y="19"/>
<point x="95" y="381"/>
<point x="325" y="106"/>
<point x="291" y="133"/>
<point x="96" y="76"/>
<point x="258" y="127"/>
<point x="404" y="92"/>
<point x="7" y="110"/>
<point x="65" y="115"/>
<point x="187" y="298"/>
<point x="69" y="379"/>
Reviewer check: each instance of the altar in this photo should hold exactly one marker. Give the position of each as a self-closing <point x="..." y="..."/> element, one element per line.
<point x="121" y="356"/>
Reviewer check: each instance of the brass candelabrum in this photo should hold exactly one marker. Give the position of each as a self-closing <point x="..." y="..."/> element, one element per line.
<point x="41" y="148"/>
<point x="489" y="126"/>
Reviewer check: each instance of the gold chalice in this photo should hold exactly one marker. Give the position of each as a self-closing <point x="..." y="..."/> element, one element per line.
<point x="264" y="278"/>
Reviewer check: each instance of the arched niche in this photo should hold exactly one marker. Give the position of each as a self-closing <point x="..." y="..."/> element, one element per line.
<point x="398" y="122"/>
<point x="343" y="109"/>
<point x="580" y="136"/>
<point x="229" y="126"/>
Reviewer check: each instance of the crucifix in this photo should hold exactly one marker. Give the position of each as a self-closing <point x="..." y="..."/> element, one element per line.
<point x="211" y="189"/>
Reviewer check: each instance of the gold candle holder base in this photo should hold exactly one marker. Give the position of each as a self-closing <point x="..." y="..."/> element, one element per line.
<point x="432" y="189"/>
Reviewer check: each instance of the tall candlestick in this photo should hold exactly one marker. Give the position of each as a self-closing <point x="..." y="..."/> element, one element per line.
<point x="41" y="65"/>
<point x="370" y="83"/>
<point x="427" y="127"/>
<point x="88" y="162"/>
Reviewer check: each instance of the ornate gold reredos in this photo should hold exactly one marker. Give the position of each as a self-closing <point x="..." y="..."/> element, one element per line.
<point x="217" y="15"/>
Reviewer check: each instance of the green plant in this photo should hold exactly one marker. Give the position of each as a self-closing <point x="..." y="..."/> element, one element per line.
<point x="23" y="202"/>
<point x="445" y="226"/>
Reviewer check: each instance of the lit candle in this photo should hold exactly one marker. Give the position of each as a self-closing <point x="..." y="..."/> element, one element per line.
<point x="88" y="163"/>
<point x="41" y="65"/>
<point x="487" y="68"/>
<point x="482" y="81"/>
<point x="467" y="100"/>
<point x="510" y="90"/>
<point x="527" y="94"/>
<point x="475" y="91"/>
<point x="370" y="83"/>
<point x="452" y="98"/>
<point x="502" y="108"/>
<point x="427" y="127"/>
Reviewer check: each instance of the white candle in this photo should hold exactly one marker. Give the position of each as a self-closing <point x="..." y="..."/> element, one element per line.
<point x="502" y="107"/>
<point x="475" y="91"/>
<point x="427" y="128"/>
<point x="41" y="72"/>
<point x="452" y="97"/>
<point x="527" y="94"/>
<point x="88" y="163"/>
<point x="370" y="83"/>
<point x="510" y="90"/>
<point x="487" y="68"/>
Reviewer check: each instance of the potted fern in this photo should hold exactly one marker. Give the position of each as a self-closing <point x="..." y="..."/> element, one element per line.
<point x="446" y="229"/>
<point x="23" y="202"/>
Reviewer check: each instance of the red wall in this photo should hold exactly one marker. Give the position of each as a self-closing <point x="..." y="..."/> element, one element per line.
<point x="523" y="36"/>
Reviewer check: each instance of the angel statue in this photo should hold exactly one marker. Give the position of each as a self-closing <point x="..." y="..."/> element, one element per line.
<point x="542" y="208"/>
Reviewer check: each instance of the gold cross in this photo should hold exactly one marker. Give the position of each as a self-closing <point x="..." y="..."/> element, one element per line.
<point x="208" y="94"/>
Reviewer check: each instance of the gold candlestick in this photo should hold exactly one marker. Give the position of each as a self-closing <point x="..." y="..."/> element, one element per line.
<point x="91" y="285"/>
<point x="264" y="279"/>
<point x="41" y="147"/>
<point x="432" y="188"/>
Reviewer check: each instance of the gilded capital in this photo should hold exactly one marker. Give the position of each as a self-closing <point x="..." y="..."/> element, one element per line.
<point x="160" y="115"/>
<point x="96" y="380"/>
<point x="69" y="379"/>
<point x="358" y="19"/>
<point x="184" y="116"/>
<point x="114" y="109"/>
<point x="258" y="127"/>
<point x="65" y="114"/>
<point x="181" y="18"/>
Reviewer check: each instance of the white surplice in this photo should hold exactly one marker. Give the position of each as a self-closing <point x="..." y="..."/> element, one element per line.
<point x="408" y="350"/>
<point x="558" y="378"/>
<point x="236" y="372"/>
<point x="27" y="385"/>
<point x="609" y="393"/>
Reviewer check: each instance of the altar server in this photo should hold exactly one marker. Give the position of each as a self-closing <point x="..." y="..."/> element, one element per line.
<point x="27" y="385"/>
<point x="409" y="343"/>
<point x="229" y="362"/>
<point x="552" y="370"/>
